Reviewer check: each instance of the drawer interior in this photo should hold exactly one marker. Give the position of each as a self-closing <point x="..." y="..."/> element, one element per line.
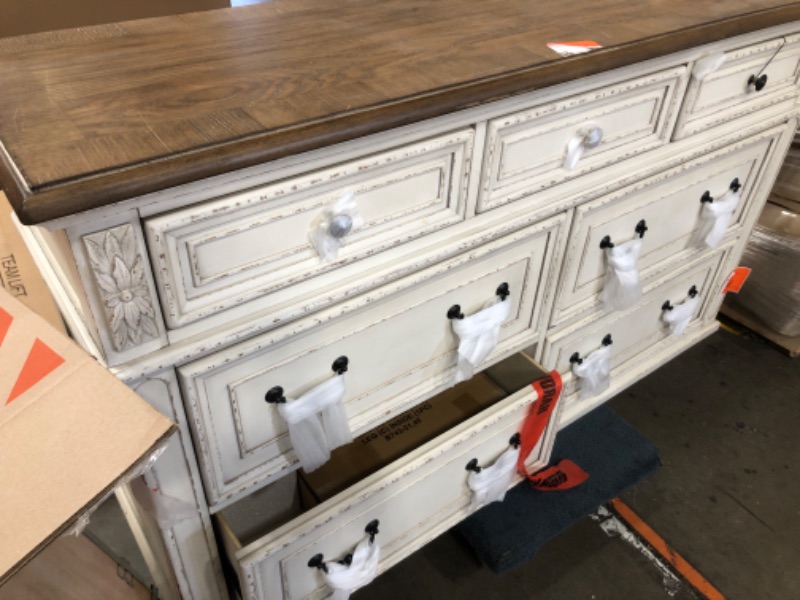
<point x="289" y="499"/>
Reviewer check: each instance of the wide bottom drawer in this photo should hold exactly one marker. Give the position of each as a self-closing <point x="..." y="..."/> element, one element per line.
<point x="638" y="339"/>
<point x="414" y="499"/>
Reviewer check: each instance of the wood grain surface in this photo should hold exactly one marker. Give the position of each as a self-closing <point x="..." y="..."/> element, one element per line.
<point x="95" y="115"/>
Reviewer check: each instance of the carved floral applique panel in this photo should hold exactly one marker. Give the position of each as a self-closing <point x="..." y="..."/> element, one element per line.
<point x="119" y="271"/>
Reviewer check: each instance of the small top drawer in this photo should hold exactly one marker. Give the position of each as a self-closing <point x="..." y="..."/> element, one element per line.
<point x="228" y="251"/>
<point x="526" y="151"/>
<point x="750" y="78"/>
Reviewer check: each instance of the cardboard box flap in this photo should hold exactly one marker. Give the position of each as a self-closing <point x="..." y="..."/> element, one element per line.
<point x="69" y="431"/>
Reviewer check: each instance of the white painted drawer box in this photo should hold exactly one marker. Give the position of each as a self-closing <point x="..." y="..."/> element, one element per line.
<point x="415" y="499"/>
<point x="526" y="151"/>
<point x="638" y="334"/>
<point x="240" y="247"/>
<point x="399" y="344"/>
<point x="670" y="204"/>
<point x="732" y="91"/>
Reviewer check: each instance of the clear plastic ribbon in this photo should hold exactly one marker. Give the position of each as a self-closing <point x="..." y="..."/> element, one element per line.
<point x="707" y="65"/>
<point x="331" y="227"/>
<point x="594" y="372"/>
<point x="715" y="217"/>
<point x="622" y="287"/>
<point x="317" y="422"/>
<point x="575" y="150"/>
<point x="345" y="579"/>
<point x="491" y="483"/>
<point x="681" y="314"/>
<point x="478" y="335"/>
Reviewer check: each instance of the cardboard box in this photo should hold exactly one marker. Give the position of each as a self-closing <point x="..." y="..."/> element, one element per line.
<point x="384" y="444"/>
<point x="516" y="372"/>
<point x="69" y="432"/>
<point x="18" y="273"/>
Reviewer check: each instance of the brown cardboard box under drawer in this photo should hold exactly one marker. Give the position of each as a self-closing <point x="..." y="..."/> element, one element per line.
<point x="378" y="447"/>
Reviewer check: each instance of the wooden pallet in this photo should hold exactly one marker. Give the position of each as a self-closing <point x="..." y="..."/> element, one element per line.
<point x="790" y="345"/>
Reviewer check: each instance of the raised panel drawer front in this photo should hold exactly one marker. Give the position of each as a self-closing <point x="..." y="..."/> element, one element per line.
<point x="399" y="343"/>
<point x="228" y="251"/>
<point x="415" y="499"/>
<point x="670" y="204"/>
<point x="637" y="334"/>
<point x="729" y="92"/>
<point x="526" y="151"/>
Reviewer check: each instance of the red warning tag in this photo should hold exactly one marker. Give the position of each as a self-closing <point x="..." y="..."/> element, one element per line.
<point x="736" y="280"/>
<point x="566" y="474"/>
<point x="572" y="48"/>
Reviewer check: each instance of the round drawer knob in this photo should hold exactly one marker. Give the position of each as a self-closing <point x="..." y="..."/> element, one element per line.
<point x="340" y="226"/>
<point x="593" y="138"/>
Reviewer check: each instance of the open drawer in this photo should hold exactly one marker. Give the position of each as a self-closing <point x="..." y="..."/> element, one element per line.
<point x="414" y="499"/>
<point x="399" y="344"/>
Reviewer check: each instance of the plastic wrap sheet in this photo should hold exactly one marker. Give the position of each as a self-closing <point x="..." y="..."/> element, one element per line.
<point x="772" y="292"/>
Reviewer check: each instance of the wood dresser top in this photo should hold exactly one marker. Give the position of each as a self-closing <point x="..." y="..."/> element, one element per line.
<point x="99" y="114"/>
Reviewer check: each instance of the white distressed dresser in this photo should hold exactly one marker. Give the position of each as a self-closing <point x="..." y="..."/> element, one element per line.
<point x="171" y="171"/>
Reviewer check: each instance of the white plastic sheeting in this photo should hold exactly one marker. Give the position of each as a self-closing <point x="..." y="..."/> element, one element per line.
<point x="317" y="422"/>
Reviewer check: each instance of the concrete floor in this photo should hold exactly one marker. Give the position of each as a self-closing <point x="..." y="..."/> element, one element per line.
<point x="725" y="417"/>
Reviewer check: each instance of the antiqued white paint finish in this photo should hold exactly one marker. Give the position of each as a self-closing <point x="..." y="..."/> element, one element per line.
<point x="637" y="332"/>
<point x="725" y="94"/>
<point x="454" y="206"/>
<point x="670" y="205"/>
<point x="526" y="150"/>
<point x="249" y="244"/>
<point x="114" y="267"/>
<point x="415" y="499"/>
<point x="401" y="348"/>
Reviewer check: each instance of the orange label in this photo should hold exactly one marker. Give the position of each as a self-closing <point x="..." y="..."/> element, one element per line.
<point x="566" y="474"/>
<point x="736" y="280"/>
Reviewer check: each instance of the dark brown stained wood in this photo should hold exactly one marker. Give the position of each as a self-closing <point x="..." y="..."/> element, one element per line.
<point x="96" y="115"/>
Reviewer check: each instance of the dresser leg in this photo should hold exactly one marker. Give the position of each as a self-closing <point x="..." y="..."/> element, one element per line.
<point x="167" y="509"/>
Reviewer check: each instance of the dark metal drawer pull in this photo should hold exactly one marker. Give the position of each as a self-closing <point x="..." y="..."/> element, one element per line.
<point x="473" y="466"/>
<point x="734" y="187"/>
<point x="275" y="394"/>
<point x="318" y="560"/>
<point x="758" y="82"/>
<point x="576" y="359"/>
<point x="640" y="229"/>
<point x="454" y="312"/>
<point x="692" y="293"/>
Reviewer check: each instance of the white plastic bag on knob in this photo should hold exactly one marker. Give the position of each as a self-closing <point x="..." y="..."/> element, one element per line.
<point x="594" y="372"/>
<point x="477" y="336"/>
<point x="324" y="228"/>
<point x="622" y="287"/>
<point x="317" y="422"/>
<point x="679" y="317"/>
<point x="346" y="579"/>
<point x="491" y="483"/>
<point x="715" y="217"/>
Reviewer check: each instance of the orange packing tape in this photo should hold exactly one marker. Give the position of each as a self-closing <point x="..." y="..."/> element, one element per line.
<point x="566" y="474"/>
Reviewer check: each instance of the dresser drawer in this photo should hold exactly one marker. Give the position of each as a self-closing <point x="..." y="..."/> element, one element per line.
<point x="637" y="334"/>
<point x="400" y="347"/>
<point x="727" y="93"/>
<point x="526" y="151"/>
<point x="415" y="499"/>
<point x="670" y="205"/>
<point x="228" y="251"/>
